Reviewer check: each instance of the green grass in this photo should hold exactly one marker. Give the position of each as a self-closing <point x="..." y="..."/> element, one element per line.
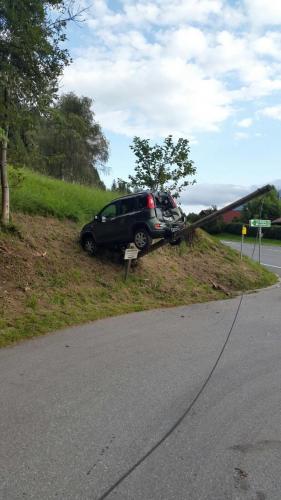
<point x="47" y="282"/>
<point x="41" y="195"/>
<point x="248" y="239"/>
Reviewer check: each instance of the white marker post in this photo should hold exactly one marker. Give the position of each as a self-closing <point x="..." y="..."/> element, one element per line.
<point x="243" y="234"/>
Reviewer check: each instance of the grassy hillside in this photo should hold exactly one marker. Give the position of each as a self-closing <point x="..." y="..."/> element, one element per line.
<point x="41" y="195"/>
<point x="47" y="281"/>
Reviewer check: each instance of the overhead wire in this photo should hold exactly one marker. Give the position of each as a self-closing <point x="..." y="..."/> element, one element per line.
<point x="189" y="408"/>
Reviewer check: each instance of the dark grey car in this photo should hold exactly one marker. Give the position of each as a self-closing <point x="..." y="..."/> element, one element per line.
<point x="139" y="218"/>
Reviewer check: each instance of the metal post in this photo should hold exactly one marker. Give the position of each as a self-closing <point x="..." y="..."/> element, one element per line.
<point x="260" y="244"/>
<point x="242" y="242"/>
<point x="127" y="268"/>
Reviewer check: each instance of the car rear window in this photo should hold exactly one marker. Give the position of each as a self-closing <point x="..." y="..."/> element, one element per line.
<point x="141" y="202"/>
<point x="163" y="201"/>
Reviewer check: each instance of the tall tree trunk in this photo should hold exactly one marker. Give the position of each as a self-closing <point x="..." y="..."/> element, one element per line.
<point x="5" y="219"/>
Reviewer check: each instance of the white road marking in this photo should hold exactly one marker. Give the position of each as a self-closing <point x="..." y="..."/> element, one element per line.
<point x="270" y="265"/>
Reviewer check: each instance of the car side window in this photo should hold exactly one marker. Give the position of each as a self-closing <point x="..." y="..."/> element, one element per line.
<point x="109" y="211"/>
<point x="127" y="206"/>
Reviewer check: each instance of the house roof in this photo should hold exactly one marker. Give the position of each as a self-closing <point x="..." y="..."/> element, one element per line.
<point x="230" y="215"/>
<point x="277" y="221"/>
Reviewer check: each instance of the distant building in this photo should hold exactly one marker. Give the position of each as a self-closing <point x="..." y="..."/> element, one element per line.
<point x="231" y="215"/>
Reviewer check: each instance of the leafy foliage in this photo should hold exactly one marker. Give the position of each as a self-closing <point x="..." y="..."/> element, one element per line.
<point x="70" y="143"/>
<point x="120" y="186"/>
<point x="32" y="57"/>
<point x="162" y="167"/>
<point x="267" y="207"/>
<point x="31" y="60"/>
<point x="273" y="232"/>
<point x="216" y="226"/>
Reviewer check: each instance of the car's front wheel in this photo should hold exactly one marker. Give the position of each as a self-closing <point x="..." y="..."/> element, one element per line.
<point x="89" y="245"/>
<point x="142" y="238"/>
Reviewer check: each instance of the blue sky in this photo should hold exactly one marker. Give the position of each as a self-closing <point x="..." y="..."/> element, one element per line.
<point x="207" y="70"/>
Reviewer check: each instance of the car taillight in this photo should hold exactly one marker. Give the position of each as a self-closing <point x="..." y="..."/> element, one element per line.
<point x="150" y="203"/>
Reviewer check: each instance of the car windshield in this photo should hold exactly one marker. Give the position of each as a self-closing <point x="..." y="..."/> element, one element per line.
<point x="109" y="211"/>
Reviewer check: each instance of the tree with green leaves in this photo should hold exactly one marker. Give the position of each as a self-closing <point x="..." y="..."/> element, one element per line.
<point x="266" y="207"/>
<point x="162" y="167"/>
<point x="31" y="60"/>
<point x="120" y="186"/>
<point x="71" y="144"/>
<point x="215" y="226"/>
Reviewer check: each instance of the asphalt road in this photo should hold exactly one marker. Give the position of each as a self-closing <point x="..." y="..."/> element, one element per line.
<point x="270" y="255"/>
<point x="80" y="407"/>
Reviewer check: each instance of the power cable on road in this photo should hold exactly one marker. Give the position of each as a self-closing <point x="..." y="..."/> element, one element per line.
<point x="187" y="411"/>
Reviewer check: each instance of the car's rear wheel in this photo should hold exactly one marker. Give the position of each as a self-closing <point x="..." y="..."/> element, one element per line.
<point x="89" y="245"/>
<point x="142" y="238"/>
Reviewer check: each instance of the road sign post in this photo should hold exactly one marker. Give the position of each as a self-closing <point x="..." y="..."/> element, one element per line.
<point x="260" y="223"/>
<point x="260" y="236"/>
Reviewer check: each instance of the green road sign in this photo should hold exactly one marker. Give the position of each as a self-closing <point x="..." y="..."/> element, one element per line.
<point x="260" y="223"/>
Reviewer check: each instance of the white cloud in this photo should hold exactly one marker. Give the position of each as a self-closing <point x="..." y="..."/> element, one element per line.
<point x="277" y="183"/>
<point x="175" y="66"/>
<point x="202" y="196"/>
<point x="154" y="95"/>
<point x="272" y="112"/>
<point x="269" y="45"/>
<point x="157" y="12"/>
<point x="184" y="42"/>
<point x="264" y="12"/>
<point x="241" y="136"/>
<point x="245" y="123"/>
<point x="205" y="195"/>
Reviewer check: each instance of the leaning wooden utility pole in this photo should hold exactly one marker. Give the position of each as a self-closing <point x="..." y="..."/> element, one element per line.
<point x="189" y="230"/>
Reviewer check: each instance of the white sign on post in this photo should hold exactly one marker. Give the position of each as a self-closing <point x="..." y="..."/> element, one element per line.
<point x="131" y="252"/>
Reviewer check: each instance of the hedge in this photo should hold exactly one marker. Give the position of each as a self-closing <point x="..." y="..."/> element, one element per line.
<point x="273" y="232"/>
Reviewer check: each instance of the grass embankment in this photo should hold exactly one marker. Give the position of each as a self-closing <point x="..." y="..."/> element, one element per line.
<point x="40" y="195"/>
<point x="47" y="282"/>
<point x="247" y="239"/>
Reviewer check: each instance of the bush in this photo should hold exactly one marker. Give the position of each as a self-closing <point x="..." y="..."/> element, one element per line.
<point x="273" y="232"/>
<point x="215" y="227"/>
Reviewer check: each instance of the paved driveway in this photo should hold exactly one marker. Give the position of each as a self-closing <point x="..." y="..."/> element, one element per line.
<point x="80" y="407"/>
